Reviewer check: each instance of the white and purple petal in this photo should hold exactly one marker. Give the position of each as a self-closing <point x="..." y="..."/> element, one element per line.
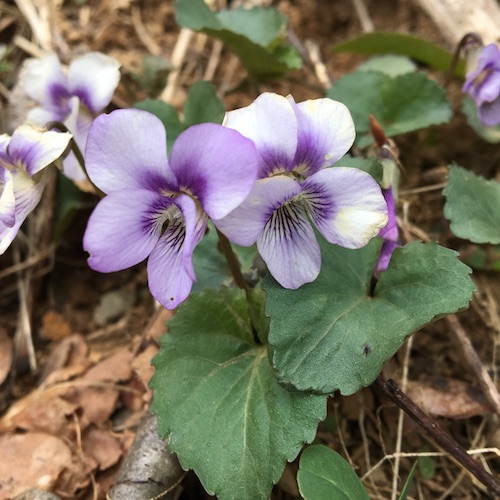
<point x="170" y="280"/>
<point x="7" y="198"/>
<point x="94" y="77"/>
<point x="289" y="247"/>
<point x="245" y="223"/>
<point x="44" y="81"/>
<point x="489" y="113"/>
<point x="215" y="164"/>
<point x="33" y="149"/>
<point x="127" y="149"/>
<point x="346" y="205"/>
<point x="27" y="194"/>
<point x="124" y="228"/>
<point x="325" y="134"/>
<point x="271" y="124"/>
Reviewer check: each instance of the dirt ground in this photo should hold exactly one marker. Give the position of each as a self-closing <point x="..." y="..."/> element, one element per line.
<point x="74" y="398"/>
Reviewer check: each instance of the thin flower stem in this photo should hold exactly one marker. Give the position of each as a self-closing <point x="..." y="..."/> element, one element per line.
<point x="442" y="438"/>
<point x="232" y="261"/>
<point x="467" y="39"/>
<point x="76" y="150"/>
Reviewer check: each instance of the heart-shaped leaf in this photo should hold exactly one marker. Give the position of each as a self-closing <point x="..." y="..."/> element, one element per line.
<point x="219" y="403"/>
<point x="400" y="104"/>
<point x="325" y="475"/>
<point x="257" y="36"/>
<point x="334" y="333"/>
<point x="473" y="206"/>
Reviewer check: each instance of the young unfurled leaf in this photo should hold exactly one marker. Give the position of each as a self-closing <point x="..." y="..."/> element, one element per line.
<point x="325" y="475"/>
<point x="257" y="36"/>
<point x="219" y="403"/>
<point x="473" y="206"/>
<point x="335" y="334"/>
<point x="401" y="104"/>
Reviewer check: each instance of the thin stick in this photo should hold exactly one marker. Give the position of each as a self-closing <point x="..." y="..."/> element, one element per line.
<point x="470" y="354"/>
<point x="364" y="17"/>
<point x="439" y="435"/>
<point x="399" y="439"/>
<point x="232" y="261"/>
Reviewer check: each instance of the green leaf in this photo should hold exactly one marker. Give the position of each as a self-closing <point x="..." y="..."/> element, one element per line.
<point x="402" y="104"/>
<point x="167" y="114"/>
<point x="409" y="481"/>
<point x="490" y="134"/>
<point x="334" y="333"/>
<point x="325" y="475"/>
<point x="473" y="206"/>
<point x="219" y="403"/>
<point x="389" y="64"/>
<point x="419" y="49"/>
<point x="426" y="466"/>
<point x="203" y="105"/>
<point x="257" y="36"/>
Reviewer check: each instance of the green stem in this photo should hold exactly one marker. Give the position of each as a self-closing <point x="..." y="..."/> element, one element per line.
<point x="76" y="150"/>
<point x="232" y="261"/>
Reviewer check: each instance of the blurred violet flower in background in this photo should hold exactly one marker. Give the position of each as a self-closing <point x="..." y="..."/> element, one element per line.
<point x="482" y="82"/>
<point x="74" y="97"/>
<point x="158" y="207"/>
<point x="23" y="158"/>
<point x="295" y="143"/>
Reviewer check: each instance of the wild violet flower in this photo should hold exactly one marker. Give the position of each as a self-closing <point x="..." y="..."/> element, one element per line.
<point x="158" y="207"/>
<point x="74" y="97"/>
<point x="23" y="158"/>
<point x="296" y="142"/>
<point x="483" y="82"/>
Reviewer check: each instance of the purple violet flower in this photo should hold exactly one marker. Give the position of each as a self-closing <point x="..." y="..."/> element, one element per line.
<point x="74" y="97"/>
<point x="158" y="207"/>
<point x="389" y="234"/>
<point x="23" y="158"/>
<point x="295" y="143"/>
<point x="483" y="83"/>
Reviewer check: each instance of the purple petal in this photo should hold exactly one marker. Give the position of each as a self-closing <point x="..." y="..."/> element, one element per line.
<point x="35" y="149"/>
<point x="289" y="247"/>
<point x="215" y="164"/>
<point x="490" y="87"/>
<point x="44" y="80"/>
<point x="271" y="124"/>
<point x="7" y="199"/>
<point x="94" y="78"/>
<point x="170" y="280"/>
<point x="390" y="231"/>
<point x="245" y="223"/>
<point x="386" y="251"/>
<point x="346" y="205"/>
<point x="127" y="149"/>
<point x="124" y="228"/>
<point x="27" y="194"/>
<point x="489" y="113"/>
<point x="326" y="133"/>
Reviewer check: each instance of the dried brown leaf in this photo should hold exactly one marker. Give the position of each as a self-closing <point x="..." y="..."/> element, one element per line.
<point x="102" y="447"/>
<point x="54" y="326"/>
<point x="32" y="460"/>
<point x="447" y="397"/>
